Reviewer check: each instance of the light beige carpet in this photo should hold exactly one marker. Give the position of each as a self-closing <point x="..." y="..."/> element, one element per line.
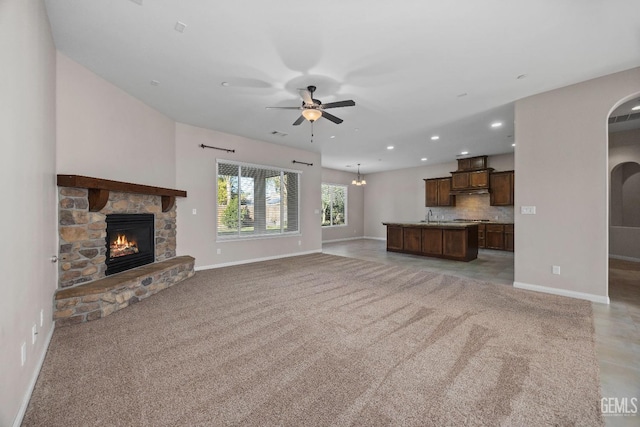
<point x="322" y="340"/>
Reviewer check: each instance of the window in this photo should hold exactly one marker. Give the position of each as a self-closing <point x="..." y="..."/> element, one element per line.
<point x="256" y="200"/>
<point x="334" y="205"/>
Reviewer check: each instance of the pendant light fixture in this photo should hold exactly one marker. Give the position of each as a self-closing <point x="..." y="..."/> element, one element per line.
<point x="360" y="180"/>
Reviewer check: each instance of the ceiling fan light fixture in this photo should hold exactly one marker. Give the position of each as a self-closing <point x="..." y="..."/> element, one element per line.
<point x="311" y="114"/>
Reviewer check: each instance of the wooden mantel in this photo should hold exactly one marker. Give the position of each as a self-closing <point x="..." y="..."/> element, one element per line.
<point x="99" y="190"/>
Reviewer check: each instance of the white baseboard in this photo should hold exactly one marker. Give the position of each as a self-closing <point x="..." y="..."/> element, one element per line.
<point x="34" y="378"/>
<point x="624" y="258"/>
<point x="562" y="292"/>
<point x="249" y="261"/>
<point x="342" y="240"/>
<point x="384" y="239"/>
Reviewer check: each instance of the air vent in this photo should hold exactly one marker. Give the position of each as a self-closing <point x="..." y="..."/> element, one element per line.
<point x="624" y="118"/>
<point x="278" y="133"/>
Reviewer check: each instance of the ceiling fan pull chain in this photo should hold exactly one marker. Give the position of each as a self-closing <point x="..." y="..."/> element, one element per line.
<point x="312" y="132"/>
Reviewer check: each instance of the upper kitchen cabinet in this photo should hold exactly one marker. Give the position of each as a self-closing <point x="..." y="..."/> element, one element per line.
<point x="472" y="163"/>
<point x="437" y="192"/>
<point x="502" y="184"/>
<point x="476" y="180"/>
<point x="472" y="176"/>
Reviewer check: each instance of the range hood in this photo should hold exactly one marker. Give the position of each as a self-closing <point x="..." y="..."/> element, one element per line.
<point x="469" y="191"/>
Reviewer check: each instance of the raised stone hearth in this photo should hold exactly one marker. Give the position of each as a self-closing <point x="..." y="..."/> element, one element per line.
<point x="83" y="206"/>
<point x="102" y="297"/>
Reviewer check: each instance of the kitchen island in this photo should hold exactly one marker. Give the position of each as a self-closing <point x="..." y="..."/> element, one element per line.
<point x="451" y="240"/>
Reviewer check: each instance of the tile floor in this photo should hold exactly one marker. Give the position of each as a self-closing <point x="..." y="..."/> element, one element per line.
<point x="617" y="326"/>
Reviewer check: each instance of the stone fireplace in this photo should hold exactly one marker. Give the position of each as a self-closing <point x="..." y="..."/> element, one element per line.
<point x="117" y="246"/>
<point x="83" y="247"/>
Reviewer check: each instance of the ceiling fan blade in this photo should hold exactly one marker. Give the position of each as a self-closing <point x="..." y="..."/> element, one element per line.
<point x="349" y="103"/>
<point x="306" y="96"/>
<point x="300" y="120"/>
<point x="284" y="108"/>
<point x="331" y="117"/>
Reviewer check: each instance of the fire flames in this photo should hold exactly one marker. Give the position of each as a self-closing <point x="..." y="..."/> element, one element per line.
<point x="122" y="246"/>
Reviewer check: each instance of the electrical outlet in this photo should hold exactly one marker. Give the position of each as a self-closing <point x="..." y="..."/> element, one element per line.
<point x="219" y="251"/>
<point x="41" y="317"/>
<point x="555" y="269"/>
<point x="23" y="354"/>
<point x="299" y="242"/>
<point x="194" y="211"/>
<point x="34" y="333"/>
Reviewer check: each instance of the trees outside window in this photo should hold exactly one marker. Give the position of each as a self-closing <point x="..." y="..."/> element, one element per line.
<point x="256" y="200"/>
<point x="334" y="205"/>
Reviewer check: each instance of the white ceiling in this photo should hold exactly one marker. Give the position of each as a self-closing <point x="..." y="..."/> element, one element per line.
<point x="405" y="63"/>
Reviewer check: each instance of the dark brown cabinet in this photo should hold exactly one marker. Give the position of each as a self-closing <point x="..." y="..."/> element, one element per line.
<point x="470" y="180"/>
<point x="479" y="179"/>
<point x="472" y="163"/>
<point x="499" y="236"/>
<point x="454" y="243"/>
<point x="394" y="238"/>
<point x="481" y="231"/>
<point x="459" y="180"/>
<point x="502" y="185"/>
<point x="437" y="192"/>
<point x="432" y="241"/>
<point x="459" y="242"/>
<point x="508" y="238"/>
<point x="494" y="236"/>
<point x="412" y="240"/>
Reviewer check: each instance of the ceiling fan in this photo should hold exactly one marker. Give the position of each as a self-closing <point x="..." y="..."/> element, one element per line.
<point x="313" y="109"/>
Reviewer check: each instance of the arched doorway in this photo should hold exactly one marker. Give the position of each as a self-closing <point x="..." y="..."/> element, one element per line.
<point x="624" y="194"/>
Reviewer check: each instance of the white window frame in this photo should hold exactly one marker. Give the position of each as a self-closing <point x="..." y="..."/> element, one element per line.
<point x="346" y="203"/>
<point x="270" y="235"/>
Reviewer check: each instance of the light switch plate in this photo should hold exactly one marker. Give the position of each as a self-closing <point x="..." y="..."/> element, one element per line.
<point x="528" y="210"/>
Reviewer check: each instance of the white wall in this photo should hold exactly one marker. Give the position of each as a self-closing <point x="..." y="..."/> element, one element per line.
<point x="561" y="164"/>
<point x="355" y="206"/>
<point x="399" y="195"/>
<point x="624" y="242"/>
<point x="28" y="214"/>
<point x="103" y="132"/>
<point x="196" y="173"/>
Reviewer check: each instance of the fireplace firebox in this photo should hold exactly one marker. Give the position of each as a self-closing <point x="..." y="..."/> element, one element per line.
<point x="130" y="241"/>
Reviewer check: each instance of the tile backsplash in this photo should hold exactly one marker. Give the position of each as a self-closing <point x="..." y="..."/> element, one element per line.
<point x="472" y="207"/>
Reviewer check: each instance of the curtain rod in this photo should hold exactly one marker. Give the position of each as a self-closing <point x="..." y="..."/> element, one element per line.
<point x="217" y="148"/>
<point x="303" y="163"/>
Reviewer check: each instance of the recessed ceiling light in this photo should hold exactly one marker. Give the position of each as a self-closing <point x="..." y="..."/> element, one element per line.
<point x="464" y="153"/>
<point x="180" y="26"/>
<point x="521" y="76"/>
<point x="513" y="145"/>
<point x="155" y="83"/>
<point x="225" y="84"/>
<point x="496" y="124"/>
<point x="636" y="108"/>
<point x="332" y="136"/>
<point x="390" y="147"/>
<point x="424" y="159"/>
<point x="435" y="138"/>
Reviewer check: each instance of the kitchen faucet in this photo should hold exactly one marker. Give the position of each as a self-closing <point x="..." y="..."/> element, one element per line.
<point x="429" y="213"/>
